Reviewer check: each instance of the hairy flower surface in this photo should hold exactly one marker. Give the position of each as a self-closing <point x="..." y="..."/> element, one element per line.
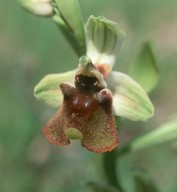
<point x="87" y="109"/>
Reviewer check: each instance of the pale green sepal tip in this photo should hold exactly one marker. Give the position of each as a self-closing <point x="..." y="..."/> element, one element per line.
<point x="48" y="90"/>
<point x="129" y="98"/>
<point x="73" y="133"/>
<point x="38" y="7"/>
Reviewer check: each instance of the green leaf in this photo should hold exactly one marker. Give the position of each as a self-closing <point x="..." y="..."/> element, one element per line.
<point x="104" y="39"/>
<point x="97" y="187"/>
<point x="145" y="70"/>
<point x="129" y="98"/>
<point x="165" y="133"/>
<point x="48" y="90"/>
<point x="68" y="17"/>
<point x="143" y="181"/>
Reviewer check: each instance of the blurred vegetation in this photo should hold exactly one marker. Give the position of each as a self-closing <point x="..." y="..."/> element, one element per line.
<point x="31" y="47"/>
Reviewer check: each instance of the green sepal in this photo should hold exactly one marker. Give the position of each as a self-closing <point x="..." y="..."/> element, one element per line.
<point x="129" y="98"/>
<point x="68" y="17"/>
<point x="48" y="90"/>
<point x="144" y="70"/>
<point x="104" y="39"/>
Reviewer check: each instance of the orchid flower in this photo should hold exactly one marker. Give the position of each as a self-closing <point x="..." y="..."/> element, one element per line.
<point x="126" y="97"/>
<point x="88" y="97"/>
<point x="104" y="39"/>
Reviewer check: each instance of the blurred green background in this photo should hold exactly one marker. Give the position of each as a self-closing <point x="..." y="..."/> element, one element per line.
<point x="30" y="48"/>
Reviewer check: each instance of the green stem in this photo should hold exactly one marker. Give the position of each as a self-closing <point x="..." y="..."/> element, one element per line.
<point x="110" y="169"/>
<point x="123" y="150"/>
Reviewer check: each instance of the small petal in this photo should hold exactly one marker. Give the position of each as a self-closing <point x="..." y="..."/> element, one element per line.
<point x="47" y="89"/>
<point x="38" y="7"/>
<point x="104" y="39"/>
<point x="129" y="98"/>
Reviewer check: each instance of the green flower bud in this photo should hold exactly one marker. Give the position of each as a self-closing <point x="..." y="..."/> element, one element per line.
<point x="38" y="7"/>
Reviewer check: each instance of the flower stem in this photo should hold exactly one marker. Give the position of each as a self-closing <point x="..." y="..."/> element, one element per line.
<point x="110" y="169"/>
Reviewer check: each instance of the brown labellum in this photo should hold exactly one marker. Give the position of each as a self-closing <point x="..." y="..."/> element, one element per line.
<point x="87" y="107"/>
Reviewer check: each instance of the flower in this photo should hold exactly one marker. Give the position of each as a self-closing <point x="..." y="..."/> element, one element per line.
<point x="129" y="98"/>
<point x="85" y="113"/>
<point x="125" y="96"/>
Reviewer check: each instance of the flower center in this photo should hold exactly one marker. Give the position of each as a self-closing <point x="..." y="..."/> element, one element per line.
<point x="87" y="84"/>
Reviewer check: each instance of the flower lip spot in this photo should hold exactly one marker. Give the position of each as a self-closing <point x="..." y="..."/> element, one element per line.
<point x="87" y="104"/>
<point x="80" y="105"/>
<point x="75" y="101"/>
